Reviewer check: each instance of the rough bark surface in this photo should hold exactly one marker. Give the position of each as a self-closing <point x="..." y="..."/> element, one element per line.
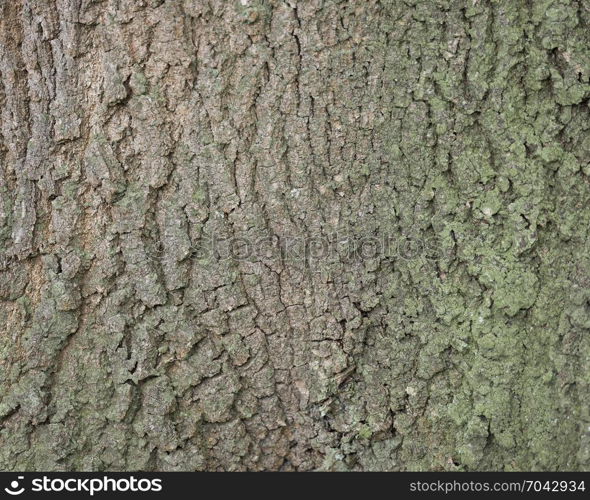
<point x="143" y="140"/>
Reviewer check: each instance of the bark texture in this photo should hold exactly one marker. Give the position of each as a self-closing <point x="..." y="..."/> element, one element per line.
<point x="145" y="145"/>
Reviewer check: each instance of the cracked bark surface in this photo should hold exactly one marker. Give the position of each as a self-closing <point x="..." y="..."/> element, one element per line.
<point x="135" y="132"/>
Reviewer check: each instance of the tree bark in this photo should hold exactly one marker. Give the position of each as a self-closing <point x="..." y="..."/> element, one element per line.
<point x="294" y="235"/>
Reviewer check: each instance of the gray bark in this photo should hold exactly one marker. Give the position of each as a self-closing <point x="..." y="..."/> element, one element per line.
<point x="294" y="235"/>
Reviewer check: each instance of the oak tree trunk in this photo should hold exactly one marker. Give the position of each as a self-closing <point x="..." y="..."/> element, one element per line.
<point x="294" y="235"/>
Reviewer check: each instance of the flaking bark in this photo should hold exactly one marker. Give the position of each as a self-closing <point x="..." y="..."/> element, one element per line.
<point x="294" y="235"/>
